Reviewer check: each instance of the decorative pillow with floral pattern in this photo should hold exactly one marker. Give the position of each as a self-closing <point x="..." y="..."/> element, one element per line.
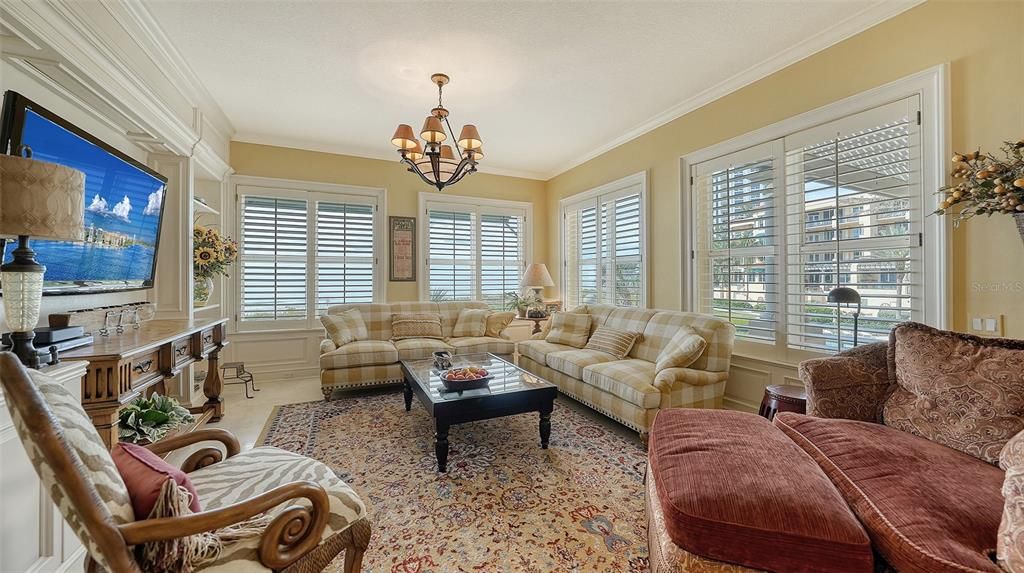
<point x="959" y="390"/>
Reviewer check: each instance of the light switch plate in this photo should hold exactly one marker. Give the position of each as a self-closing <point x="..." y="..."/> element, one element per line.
<point x="990" y="325"/>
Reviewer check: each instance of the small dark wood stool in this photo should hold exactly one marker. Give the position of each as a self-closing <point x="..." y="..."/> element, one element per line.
<point x="783" y="398"/>
<point x="243" y="376"/>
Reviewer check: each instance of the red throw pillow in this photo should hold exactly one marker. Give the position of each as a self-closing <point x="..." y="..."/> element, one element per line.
<point x="144" y="473"/>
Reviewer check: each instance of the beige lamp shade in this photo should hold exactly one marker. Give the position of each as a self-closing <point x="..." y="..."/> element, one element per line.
<point x="41" y="200"/>
<point x="404" y="138"/>
<point x="537" y="276"/>
<point x="470" y="137"/>
<point x="478" y="153"/>
<point x="433" y="131"/>
<point x="416" y="153"/>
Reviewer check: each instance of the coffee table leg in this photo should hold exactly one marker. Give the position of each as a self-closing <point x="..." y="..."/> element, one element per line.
<point x="408" y="394"/>
<point x="441" y="445"/>
<point x="545" y="428"/>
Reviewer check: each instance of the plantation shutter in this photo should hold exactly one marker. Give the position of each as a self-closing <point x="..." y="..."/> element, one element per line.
<point x="345" y="252"/>
<point x="475" y="252"/>
<point x="854" y="219"/>
<point x="451" y="255"/>
<point x="273" y="258"/>
<point x="603" y="249"/>
<point x="736" y="246"/>
<point x="501" y="256"/>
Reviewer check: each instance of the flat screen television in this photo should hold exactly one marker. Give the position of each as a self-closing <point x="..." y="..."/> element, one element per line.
<point x="124" y="204"/>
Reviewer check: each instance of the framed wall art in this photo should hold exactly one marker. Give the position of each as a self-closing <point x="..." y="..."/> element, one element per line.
<point x="402" y="233"/>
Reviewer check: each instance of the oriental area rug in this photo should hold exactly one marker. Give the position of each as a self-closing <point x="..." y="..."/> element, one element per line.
<point x="505" y="504"/>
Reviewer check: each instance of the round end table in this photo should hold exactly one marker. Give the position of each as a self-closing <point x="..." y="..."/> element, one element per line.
<point x="783" y="398"/>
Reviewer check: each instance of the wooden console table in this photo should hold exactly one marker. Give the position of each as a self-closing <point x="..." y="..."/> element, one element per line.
<point x="136" y="363"/>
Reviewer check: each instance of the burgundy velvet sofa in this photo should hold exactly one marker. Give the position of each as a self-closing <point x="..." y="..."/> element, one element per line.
<point x="893" y="468"/>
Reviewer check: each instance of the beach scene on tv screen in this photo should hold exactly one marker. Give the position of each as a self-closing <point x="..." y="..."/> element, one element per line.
<point x="122" y="212"/>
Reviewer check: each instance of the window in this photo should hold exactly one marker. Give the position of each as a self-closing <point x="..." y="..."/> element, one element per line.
<point x="303" y="248"/>
<point x="780" y="224"/>
<point x="476" y="249"/>
<point x="603" y="244"/>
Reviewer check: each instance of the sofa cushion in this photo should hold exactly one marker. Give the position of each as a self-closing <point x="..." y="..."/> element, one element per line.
<point x="478" y="344"/>
<point x="416" y="325"/>
<point x="497" y="322"/>
<point x="1010" y="546"/>
<point x="733" y="488"/>
<point x="962" y="391"/>
<point x="569" y="328"/>
<point x="345" y="327"/>
<point x="632" y="380"/>
<point x="613" y="341"/>
<point x="682" y="350"/>
<point x="144" y="473"/>
<point x="360" y="353"/>
<point x="572" y="362"/>
<point x="376" y="316"/>
<point x="629" y="319"/>
<point x="420" y="348"/>
<point x="537" y="350"/>
<point x="928" y="508"/>
<point x="471" y="322"/>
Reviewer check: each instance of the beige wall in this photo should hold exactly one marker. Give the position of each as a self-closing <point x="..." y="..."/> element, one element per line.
<point x="403" y="188"/>
<point x="986" y="62"/>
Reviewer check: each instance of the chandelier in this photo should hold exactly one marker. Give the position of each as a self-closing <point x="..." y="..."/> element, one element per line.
<point x="437" y="164"/>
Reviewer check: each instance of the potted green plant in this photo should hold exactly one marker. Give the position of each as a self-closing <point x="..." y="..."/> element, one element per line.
<point x="521" y="303"/>
<point x="146" y="420"/>
<point x="986" y="185"/>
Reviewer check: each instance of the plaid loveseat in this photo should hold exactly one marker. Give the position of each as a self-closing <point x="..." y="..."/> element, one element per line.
<point x="375" y="361"/>
<point x="629" y="390"/>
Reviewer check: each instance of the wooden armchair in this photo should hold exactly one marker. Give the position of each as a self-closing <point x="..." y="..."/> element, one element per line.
<point x="314" y="515"/>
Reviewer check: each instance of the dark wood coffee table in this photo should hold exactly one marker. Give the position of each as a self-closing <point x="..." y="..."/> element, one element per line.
<point x="512" y="391"/>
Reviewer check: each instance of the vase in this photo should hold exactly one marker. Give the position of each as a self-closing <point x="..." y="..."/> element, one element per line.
<point x="1019" y="218"/>
<point x="202" y="291"/>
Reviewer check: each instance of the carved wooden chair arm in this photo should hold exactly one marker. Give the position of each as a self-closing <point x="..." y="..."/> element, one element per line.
<point x="203" y="457"/>
<point x="293" y="533"/>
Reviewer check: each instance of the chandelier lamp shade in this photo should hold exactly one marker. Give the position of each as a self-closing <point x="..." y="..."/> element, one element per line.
<point x="436" y="163"/>
<point x="42" y="200"/>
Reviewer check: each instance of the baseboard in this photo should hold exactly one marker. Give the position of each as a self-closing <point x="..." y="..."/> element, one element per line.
<point x="741" y="405"/>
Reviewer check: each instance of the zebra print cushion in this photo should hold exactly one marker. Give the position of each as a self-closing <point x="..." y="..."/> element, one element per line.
<point x="90" y="454"/>
<point x="261" y="469"/>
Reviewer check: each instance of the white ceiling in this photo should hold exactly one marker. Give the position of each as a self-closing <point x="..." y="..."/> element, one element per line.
<point x="548" y="84"/>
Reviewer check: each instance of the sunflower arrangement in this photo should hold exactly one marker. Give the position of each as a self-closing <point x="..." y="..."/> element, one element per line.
<point x="213" y="253"/>
<point x="985" y="184"/>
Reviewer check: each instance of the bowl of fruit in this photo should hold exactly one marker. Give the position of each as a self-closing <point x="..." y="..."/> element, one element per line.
<point x="465" y="378"/>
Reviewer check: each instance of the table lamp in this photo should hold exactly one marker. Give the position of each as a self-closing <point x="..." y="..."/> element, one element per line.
<point x="845" y="295"/>
<point x="42" y="200"/>
<point x="537" y="277"/>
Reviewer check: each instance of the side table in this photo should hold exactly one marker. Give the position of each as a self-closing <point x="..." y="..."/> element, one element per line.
<point x="783" y="398"/>
<point x="536" y="322"/>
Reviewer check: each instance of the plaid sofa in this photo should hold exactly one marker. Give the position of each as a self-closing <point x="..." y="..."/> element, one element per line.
<point x="375" y="361"/>
<point x="629" y="390"/>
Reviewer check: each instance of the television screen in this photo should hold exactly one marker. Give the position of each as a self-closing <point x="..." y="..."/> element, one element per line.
<point x="124" y="203"/>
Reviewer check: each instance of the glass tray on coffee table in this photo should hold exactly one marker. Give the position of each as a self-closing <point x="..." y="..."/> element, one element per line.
<point x="511" y="391"/>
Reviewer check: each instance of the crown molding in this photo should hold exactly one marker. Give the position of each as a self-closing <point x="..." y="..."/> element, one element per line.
<point x="863" y="20"/>
<point x="363" y="153"/>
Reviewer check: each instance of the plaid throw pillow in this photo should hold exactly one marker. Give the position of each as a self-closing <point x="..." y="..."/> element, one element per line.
<point x="471" y="322"/>
<point x="416" y="326"/>
<point x="682" y="350"/>
<point x="497" y="322"/>
<point x="569" y="329"/>
<point x="345" y="327"/>
<point x="616" y="342"/>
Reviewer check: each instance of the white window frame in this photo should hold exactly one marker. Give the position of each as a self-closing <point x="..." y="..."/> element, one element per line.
<point x="311" y="192"/>
<point x="607" y="191"/>
<point x="932" y="87"/>
<point x="476" y="205"/>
